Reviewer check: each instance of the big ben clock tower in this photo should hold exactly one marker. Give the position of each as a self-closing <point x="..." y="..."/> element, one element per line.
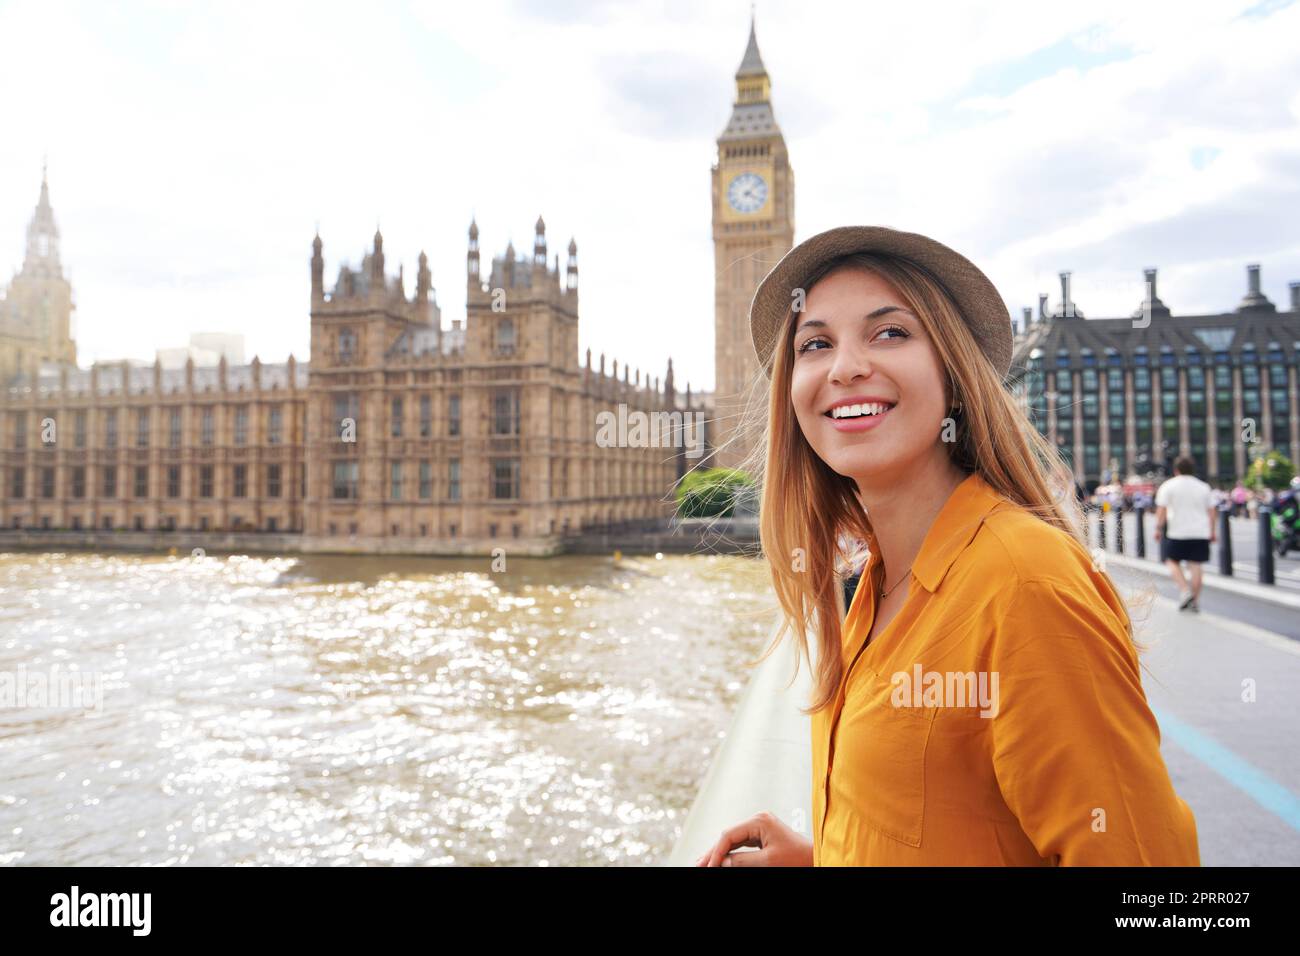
<point x="753" y="227"/>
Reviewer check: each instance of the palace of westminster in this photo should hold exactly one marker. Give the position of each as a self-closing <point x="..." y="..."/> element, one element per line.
<point x="402" y="435"/>
<point x="397" y="435"/>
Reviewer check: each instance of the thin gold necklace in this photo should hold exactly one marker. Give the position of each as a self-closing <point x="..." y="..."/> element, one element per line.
<point x="886" y="594"/>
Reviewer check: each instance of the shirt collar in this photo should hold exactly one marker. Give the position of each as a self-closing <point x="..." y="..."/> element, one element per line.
<point x="954" y="528"/>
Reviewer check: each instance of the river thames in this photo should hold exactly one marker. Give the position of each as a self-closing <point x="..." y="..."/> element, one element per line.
<point x="352" y="710"/>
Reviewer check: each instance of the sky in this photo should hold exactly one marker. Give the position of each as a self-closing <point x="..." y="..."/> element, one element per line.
<point x="194" y="148"/>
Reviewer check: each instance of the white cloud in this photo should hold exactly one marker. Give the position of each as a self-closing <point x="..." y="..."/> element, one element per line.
<point x="193" y="149"/>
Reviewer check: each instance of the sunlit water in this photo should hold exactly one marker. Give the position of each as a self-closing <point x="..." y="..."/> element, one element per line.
<point x="338" y="710"/>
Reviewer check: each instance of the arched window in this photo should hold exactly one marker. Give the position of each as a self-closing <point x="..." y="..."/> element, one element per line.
<point x="347" y="346"/>
<point x="506" y="336"/>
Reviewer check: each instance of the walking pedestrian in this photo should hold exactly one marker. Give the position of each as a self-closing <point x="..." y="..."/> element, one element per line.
<point x="1239" y="496"/>
<point x="1185" y="529"/>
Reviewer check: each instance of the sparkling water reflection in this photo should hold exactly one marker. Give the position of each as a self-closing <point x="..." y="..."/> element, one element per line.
<point x="386" y="710"/>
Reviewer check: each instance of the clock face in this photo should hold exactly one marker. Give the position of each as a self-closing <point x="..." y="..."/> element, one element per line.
<point x="747" y="192"/>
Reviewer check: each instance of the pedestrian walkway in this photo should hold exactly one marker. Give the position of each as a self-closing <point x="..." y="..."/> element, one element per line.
<point x="1227" y="697"/>
<point x="1245" y="577"/>
<point x="1225" y="693"/>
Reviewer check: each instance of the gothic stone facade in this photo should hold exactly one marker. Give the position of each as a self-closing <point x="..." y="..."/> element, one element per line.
<point x="484" y="432"/>
<point x="36" y="307"/>
<point x="118" y="447"/>
<point x="753" y="227"/>
<point x="398" y="436"/>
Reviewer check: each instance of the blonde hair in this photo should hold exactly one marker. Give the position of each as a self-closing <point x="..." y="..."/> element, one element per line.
<point x="811" y="511"/>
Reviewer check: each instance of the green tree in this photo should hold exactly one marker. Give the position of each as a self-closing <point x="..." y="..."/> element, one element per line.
<point x="711" y="493"/>
<point x="1269" y="469"/>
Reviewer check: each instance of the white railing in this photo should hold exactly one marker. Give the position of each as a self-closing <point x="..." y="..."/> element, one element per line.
<point x="764" y="763"/>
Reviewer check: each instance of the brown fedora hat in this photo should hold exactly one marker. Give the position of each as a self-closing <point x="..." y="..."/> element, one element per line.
<point x="977" y="300"/>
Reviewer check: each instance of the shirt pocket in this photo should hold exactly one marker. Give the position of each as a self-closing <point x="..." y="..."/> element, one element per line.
<point x="879" y="761"/>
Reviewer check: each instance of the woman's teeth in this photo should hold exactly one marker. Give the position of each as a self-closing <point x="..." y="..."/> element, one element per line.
<point x="855" y="411"/>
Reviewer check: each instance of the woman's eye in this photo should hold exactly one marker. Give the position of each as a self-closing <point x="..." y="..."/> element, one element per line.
<point x="897" y="329"/>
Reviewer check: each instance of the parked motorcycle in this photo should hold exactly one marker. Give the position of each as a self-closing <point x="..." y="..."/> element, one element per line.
<point x="1286" y="523"/>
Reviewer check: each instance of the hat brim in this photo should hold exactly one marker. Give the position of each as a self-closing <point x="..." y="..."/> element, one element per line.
<point x="978" y="301"/>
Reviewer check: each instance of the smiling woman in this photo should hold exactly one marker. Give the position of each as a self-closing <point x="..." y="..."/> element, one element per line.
<point x="890" y="436"/>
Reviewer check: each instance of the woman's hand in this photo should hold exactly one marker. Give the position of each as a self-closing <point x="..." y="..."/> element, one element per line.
<point x="778" y="845"/>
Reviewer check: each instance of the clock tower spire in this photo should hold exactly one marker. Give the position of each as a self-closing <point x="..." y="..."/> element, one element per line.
<point x="753" y="227"/>
<point x="36" y="309"/>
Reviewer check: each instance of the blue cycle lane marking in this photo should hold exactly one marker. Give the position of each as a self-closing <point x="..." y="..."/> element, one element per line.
<point x="1242" y="774"/>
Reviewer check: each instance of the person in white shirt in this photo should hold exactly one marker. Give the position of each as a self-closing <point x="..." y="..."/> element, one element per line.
<point x="1185" y="528"/>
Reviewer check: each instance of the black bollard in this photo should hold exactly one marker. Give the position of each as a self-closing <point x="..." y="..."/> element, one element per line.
<point x="1119" y="531"/>
<point x="1225" y="542"/>
<point x="1101" y="527"/>
<point x="1139" y="514"/>
<point x="1265" y="545"/>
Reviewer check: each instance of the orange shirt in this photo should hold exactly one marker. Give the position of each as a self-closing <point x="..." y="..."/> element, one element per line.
<point x="999" y="720"/>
